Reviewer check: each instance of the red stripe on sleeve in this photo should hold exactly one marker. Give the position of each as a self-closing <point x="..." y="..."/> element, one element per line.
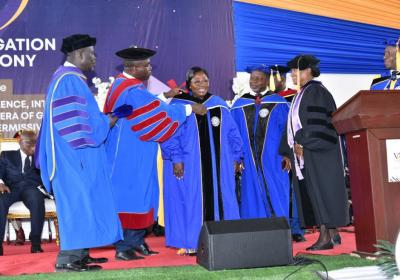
<point x="112" y="97"/>
<point x="169" y="132"/>
<point x="144" y="109"/>
<point x="160" y="127"/>
<point x="149" y="121"/>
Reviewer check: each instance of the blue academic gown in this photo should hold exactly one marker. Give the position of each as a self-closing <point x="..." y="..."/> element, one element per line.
<point x="207" y="190"/>
<point x="387" y="80"/>
<point x="72" y="159"/>
<point x="265" y="186"/>
<point x="132" y="150"/>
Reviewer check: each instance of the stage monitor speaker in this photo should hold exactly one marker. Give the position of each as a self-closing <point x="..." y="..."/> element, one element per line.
<point x="245" y="244"/>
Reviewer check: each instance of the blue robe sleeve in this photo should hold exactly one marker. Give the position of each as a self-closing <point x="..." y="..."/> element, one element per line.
<point x="317" y="132"/>
<point x="284" y="149"/>
<point x="76" y="116"/>
<point x="234" y="139"/>
<point x="172" y="149"/>
<point x="152" y="119"/>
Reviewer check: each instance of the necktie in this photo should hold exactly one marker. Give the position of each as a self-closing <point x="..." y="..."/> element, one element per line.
<point x="258" y="98"/>
<point x="27" y="164"/>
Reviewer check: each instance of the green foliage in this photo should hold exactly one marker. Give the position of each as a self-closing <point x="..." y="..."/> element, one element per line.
<point x="386" y="258"/>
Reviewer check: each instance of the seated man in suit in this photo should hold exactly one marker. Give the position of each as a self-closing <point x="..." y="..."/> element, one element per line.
<point x="19" y="179"/>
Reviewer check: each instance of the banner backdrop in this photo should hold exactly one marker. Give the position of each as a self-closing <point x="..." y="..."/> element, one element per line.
<point x="184" y="34"/>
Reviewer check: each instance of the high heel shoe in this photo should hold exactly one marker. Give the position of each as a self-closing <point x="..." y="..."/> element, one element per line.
<point x="326" y="246"/>
<point x="336" y="239"/>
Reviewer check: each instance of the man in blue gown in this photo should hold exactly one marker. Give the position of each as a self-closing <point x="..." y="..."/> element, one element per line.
<point x="277" y="84"/>
<point x="72" y="159"/>
<point x="391" y="78"/>
<point x="132" y="148"/>
<point x="261" y="117"/>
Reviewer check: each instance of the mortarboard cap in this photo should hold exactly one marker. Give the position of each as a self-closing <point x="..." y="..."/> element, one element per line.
<point x="390" y="42"/>
<point x="261" y="68"/>
<point x="303" y="61"/>
<point x="276" y="70"/>
<point x="76" y="42"/>
<point x="279" y="68"/>
<point x="134" y="53"/>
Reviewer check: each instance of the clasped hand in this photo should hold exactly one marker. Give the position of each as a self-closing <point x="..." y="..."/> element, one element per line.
<point x="4" y="188"/>
<point x="178" y="170"/>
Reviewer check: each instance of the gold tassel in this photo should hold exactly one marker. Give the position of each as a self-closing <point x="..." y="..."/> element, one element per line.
<point x="298" y="76"/>
<point x="272" y="81"/>
<point x="278" y="75"/>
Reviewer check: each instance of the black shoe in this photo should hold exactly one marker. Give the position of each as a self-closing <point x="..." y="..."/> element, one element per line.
<point x="326" y="246"/>
<point x="144" y="250"/>
<point x="36" y="249"/>
<point x="336" y="239"/>
<point x="127" y="256"/>
<point x="20" y="237"/>
<point x="89" y="260"/>
<point x="76" y="267"/>
<point x="298" y="238"/>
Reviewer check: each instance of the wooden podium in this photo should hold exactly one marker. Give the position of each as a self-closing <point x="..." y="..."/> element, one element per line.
<point x="368" y="119"/>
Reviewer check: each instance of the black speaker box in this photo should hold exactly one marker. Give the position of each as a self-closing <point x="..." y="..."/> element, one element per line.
<point x="245" y="244"/>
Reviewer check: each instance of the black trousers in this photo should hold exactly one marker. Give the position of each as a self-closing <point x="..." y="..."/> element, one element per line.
<point x="70" y="256"/>
<point x="34" y="201"/>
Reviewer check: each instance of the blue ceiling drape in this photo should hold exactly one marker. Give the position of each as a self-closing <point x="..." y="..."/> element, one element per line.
<point x="265" y="35"/>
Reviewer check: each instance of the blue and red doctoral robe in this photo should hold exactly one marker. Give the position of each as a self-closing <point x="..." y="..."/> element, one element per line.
<point x="132" y="149"/>
<point x="72" y="159"/>
<point x="265" y="186"/>
<point x="207" y="146"/>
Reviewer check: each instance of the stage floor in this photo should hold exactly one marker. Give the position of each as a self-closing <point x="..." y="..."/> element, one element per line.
<point x="18" y="260"/>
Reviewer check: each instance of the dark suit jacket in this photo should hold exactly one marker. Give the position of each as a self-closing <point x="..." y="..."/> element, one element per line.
<point x="11" y="171"/>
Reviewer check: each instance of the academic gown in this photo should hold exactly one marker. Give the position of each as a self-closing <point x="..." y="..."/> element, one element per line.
<point x="387" y="80"/>
<point x="288" y="94"/>
<point x="72" y="161"/>
<point x="323" y="167"/>
<point x="265" y="186"/>
<point x="207" y="146"/>
<point x="132" y="149"/>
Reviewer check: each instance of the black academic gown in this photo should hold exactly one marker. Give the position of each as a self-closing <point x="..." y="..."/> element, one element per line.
<point x="323" y="187"/>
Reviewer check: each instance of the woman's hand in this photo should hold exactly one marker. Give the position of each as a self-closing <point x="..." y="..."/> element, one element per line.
<point x="178" y="170"/>
<point x="286" y="165"/>
<point x="239" y="167"/>
<point x="298" y="150"/>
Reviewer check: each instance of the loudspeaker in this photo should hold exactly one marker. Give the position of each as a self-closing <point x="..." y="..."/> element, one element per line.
<point x="245" y="244"/>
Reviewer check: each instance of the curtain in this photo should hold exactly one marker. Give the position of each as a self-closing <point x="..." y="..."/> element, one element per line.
<point x="265" y="35"/>
<point x="376" y="12"/>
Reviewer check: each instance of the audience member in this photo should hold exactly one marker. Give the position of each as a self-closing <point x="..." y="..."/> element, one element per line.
<point x="19" y="179"/>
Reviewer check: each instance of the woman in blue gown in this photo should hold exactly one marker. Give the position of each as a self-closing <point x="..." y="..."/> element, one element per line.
<point x="200" y="161"/>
